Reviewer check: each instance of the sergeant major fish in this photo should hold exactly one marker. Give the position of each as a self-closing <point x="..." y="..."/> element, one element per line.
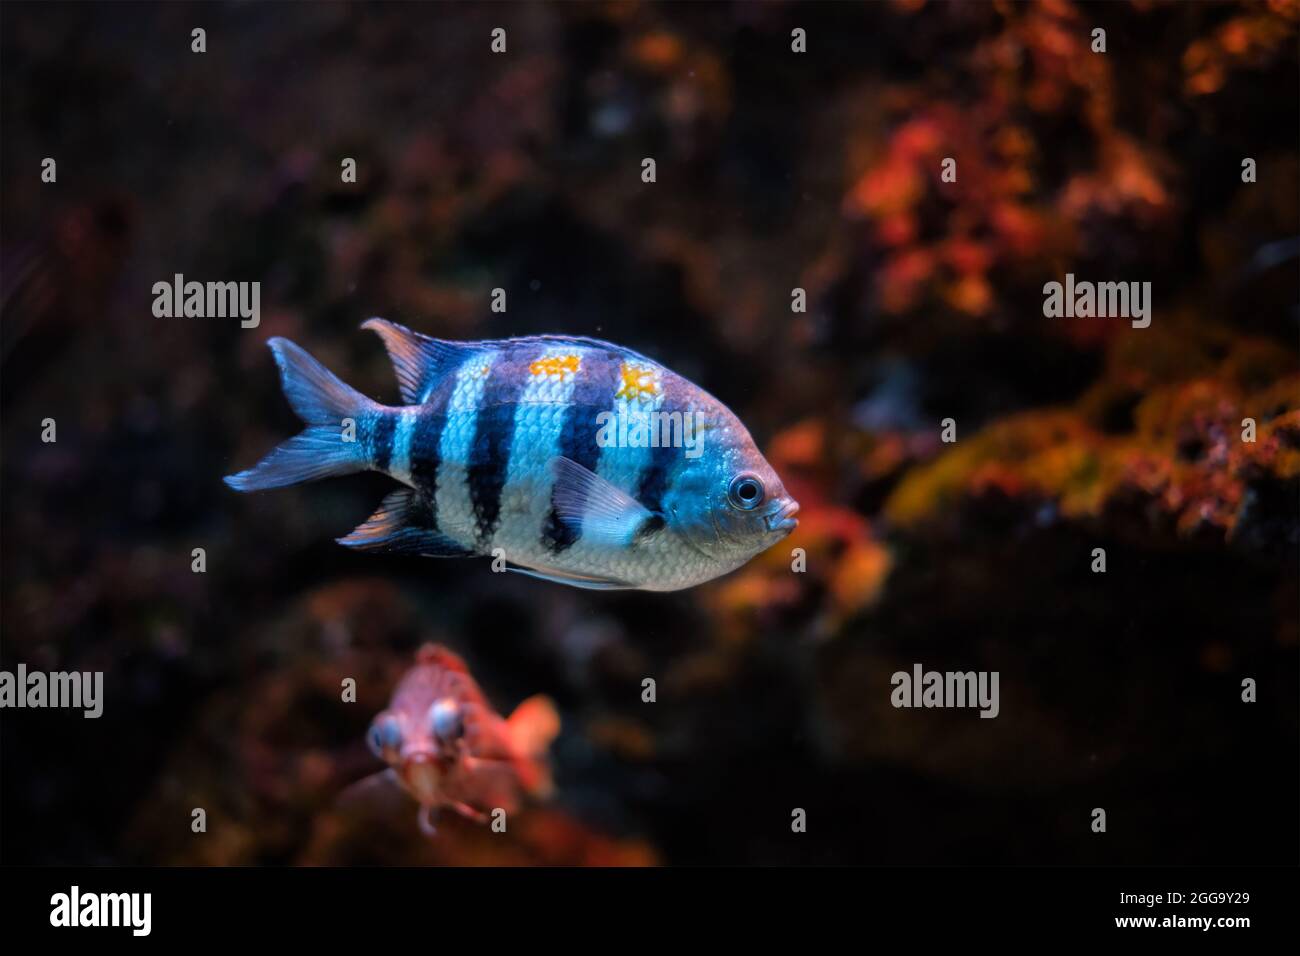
<point x="502" y="448"/>
<point x="446" y="747"/>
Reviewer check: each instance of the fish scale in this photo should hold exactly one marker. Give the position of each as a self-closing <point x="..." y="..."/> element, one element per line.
<point x="596" y="379"/>
<point x="424" y="449"/>
<point x="381" y="439"/>
<point x="455" y="507"/>
<point x="542" y="420"/>
<point x="494" y="432"/>
<point x="529" y="540"/>
<point x="624" y="467"/>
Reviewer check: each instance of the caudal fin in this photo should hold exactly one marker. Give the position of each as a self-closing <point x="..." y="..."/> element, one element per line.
<point x="322" y="402"/>
<point x="533" y="725"/>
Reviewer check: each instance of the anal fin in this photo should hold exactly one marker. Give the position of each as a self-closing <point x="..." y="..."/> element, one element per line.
<point x="403" y="524"/>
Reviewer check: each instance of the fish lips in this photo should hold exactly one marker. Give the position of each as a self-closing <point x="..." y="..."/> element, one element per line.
<point x="783" y="520"/>
<point x="422" y="775"/>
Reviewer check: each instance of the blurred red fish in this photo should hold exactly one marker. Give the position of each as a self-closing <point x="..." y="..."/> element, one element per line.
<point x="447" y="747"/>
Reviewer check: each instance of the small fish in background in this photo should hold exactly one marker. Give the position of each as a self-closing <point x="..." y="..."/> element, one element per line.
<point x="529" y="449"/>
<point x="447" y="747"/>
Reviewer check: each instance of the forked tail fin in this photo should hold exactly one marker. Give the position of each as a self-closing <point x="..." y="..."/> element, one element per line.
<point x="323" y="403"/>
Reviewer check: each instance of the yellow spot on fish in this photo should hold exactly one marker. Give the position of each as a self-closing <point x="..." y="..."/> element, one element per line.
<point x="483" y="370"/>
<point x="564" y="366"/>
<point x="638" y="382"/>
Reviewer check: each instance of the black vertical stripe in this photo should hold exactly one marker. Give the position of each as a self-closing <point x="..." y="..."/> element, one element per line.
<point x="652" y="483"/>
<point x="593" y="392"/>
<point x="381" y="438"/>
<point x="494" y="430"/>
<point x="426" y="439"/>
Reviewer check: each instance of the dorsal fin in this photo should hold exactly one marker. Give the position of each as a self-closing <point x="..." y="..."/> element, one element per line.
<point x="419" y="360"/>
<point x="430" y="653"/>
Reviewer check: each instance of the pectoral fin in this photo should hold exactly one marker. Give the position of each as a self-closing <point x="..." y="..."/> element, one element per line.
<point x="606" y="515"/>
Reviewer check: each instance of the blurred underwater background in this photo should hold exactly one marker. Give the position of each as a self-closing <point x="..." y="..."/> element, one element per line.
<point x="776" y="171"/>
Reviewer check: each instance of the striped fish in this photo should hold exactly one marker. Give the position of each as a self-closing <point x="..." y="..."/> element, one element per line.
<point x="572" y="459"/>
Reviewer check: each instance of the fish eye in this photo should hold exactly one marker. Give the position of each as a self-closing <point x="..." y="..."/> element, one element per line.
<point x="446" y="720"/>
<point x="385" y="733"/>
<point x="746" y="492"/>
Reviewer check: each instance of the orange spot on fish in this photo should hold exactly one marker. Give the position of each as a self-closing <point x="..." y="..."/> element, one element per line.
<point x="553" y="365"/>
<point x="638" y="382"/>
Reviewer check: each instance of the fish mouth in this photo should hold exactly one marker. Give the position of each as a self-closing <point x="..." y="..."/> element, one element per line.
<point x="783" y="520"/>
<point x="422" y="777"/>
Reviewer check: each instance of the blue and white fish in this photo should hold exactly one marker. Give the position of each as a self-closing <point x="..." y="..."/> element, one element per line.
<point x="573" y="459"/>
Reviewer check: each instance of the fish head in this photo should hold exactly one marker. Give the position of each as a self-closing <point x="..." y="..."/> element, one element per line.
<point x="729" y="502"/>
<point x="420" y="747"/>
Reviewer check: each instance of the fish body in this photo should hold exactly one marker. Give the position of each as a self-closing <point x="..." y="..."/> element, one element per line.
<point x="447" y="747"/>
<point x="574" y="459"/>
